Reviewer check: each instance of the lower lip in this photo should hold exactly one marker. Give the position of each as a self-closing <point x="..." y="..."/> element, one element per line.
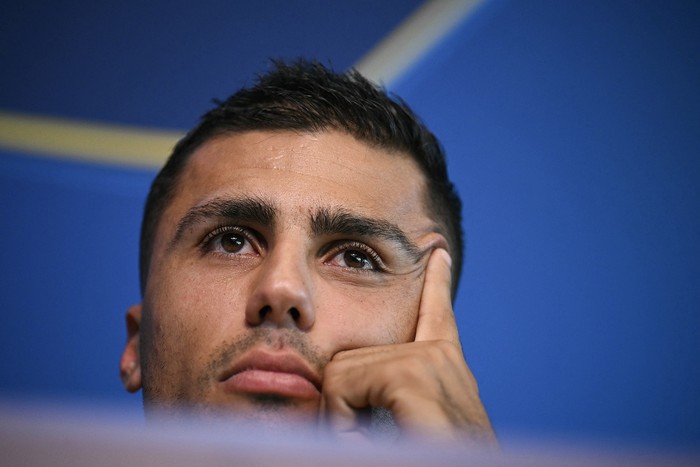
<point x="273" y="383"/>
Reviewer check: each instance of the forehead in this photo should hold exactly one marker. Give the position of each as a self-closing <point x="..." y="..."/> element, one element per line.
<point x="299" y="171"/>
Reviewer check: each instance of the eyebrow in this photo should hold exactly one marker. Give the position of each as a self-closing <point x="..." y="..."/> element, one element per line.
<point x="252" y="210"/>
<point x="341" y="221"/>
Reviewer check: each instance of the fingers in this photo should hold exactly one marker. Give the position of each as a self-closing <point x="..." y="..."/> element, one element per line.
<point x="426" y="385"/>
<point x="399" y="378"/>
<point x="436" y="319"/>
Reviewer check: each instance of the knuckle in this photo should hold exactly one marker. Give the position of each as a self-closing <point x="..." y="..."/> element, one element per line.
<point x="444" y="355"/>
<point x="445" y="349"/>
<point x="416" y="372"/>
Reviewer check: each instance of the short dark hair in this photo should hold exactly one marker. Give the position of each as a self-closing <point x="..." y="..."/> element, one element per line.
<point x="308" y="96"/>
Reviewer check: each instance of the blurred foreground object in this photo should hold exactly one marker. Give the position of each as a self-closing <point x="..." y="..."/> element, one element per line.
<point x="47" y="435"/>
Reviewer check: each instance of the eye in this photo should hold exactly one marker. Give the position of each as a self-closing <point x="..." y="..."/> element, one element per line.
<point x="356" y="259"/>
<point x="231" y="240"/>
<point x="355" y="255"/>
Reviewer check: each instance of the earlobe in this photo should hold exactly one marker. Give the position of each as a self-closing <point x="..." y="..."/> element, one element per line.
<point x="130" y="365"/>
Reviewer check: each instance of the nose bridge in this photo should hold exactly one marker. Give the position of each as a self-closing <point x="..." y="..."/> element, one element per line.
<point x="283" y="293"/>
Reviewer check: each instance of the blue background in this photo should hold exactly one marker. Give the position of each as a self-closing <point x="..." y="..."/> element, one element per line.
<point x="572" y="131"/>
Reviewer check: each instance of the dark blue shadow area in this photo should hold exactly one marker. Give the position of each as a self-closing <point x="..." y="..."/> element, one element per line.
<point x="160" y="63"/>
<point x="574" y="136"/>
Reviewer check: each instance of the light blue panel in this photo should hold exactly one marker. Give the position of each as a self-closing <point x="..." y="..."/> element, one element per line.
<point x="573" y="131"/>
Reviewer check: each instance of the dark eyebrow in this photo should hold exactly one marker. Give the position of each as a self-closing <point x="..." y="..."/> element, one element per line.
<point x="341" y="221"/>
<point x="252" y="210"/>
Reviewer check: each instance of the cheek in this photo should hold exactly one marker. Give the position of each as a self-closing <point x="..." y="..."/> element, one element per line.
<point x="189" y="313"/>
<point x="367" y="316"/>
<point x="203" y="300"/>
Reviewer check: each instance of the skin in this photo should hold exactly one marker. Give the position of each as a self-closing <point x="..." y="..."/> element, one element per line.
<point x="367" y="314"/>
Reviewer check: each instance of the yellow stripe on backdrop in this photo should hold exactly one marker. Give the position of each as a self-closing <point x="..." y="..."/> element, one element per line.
<point x="414" y="38"/>
<point x="149" y="148"/>
<point x="59" y="137"/>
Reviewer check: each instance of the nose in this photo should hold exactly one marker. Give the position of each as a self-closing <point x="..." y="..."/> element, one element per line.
<point x="282" y="294"/>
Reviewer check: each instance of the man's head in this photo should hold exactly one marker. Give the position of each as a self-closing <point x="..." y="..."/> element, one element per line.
<point x="294" y="222"/>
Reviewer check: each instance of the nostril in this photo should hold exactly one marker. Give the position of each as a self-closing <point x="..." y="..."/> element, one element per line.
<point x="264" y="311"/>
<point x="272" y="315"/>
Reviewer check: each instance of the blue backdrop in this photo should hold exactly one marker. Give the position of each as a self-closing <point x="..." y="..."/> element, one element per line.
<point x="573" y="132"/>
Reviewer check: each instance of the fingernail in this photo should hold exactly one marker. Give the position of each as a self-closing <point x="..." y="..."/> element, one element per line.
<point x="446" y="256"/>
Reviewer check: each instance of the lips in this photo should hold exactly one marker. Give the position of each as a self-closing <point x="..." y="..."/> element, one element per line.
<point x="278" y="374"/>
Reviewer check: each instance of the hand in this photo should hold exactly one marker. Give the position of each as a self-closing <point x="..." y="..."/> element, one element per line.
<point x="426" y="384"/>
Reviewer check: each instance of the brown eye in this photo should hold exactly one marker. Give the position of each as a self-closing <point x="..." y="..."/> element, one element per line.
<point x="354" y="256"/>
<point x="357" y="259"/>
<point x="232" y="242"/>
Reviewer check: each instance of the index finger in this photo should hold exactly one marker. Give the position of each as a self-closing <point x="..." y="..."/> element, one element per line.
<point x="436" y="320"/>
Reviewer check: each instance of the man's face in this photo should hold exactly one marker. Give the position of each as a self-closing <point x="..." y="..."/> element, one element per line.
<point x="279" y="250"/>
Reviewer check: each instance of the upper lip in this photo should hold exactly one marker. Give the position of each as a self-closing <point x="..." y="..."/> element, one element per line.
<point x="280" y="362"/>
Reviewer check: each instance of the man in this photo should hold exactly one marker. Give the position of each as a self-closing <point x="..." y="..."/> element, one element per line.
<point x="298" y="252"/>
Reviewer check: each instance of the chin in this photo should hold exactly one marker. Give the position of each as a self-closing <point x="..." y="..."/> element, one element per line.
<point x="261" y="412"/>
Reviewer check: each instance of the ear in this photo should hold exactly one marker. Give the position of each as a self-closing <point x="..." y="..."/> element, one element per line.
<point x="130" y="365"/>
